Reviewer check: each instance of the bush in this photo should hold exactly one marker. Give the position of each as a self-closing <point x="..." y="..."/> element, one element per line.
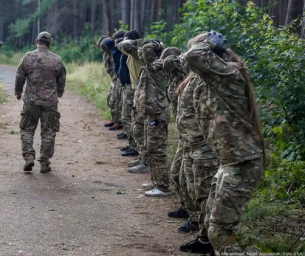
<point x="79" y="51"/>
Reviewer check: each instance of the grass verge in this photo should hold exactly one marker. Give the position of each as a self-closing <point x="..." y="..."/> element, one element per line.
<point x="13" y="59"/>
<point x="92" y="81"/>
<point x="2" y="95"/>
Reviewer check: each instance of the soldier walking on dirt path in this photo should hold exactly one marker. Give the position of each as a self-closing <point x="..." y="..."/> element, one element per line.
<point x="45" y="74"/>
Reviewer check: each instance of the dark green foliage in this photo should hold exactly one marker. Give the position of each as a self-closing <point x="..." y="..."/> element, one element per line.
<point x="80" y="51"/>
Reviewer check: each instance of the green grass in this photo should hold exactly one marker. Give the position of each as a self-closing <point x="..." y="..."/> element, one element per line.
<point x="2" y="95"/>
<point x="13" y="59"/>
<point x="92" y="81"/>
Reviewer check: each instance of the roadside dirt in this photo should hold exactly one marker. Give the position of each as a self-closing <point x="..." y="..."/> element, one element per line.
<point x="89" y="204"/>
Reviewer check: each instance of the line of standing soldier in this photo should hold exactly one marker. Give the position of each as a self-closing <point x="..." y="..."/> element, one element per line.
<point x="220" y="156"/>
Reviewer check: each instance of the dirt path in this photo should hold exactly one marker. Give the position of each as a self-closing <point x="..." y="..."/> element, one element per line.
<point x="89" y="204"/>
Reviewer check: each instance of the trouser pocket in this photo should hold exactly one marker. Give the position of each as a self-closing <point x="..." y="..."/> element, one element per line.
<point x="25" y="120"/>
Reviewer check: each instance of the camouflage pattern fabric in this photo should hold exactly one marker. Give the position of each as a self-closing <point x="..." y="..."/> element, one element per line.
<point x="175" y="171"/>
<point x="115" y="101"/>
<point x="153" y="101"/>
<point x="45" y="74"/>
<point x="49" y="118"/>
<point x="222" y="110"/>
<point x="156" y="144"/>
<point x="199" y="161"/>
<point x="232" y="188"/>
<point x="173" y="67"/>
<point x="114" y="94"/>
<point x="224" y="120"/>
<point x="109" y="64"/>
<point x="127" y="103"/>
<point x="155" y="97"/>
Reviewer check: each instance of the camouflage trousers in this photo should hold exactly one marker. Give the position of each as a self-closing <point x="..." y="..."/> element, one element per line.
<point x="155" y="134"/>
<point x="232" y="188"/>
<point x="114" y="101"/>
<point x="127" y="103"/>
<point x="174" y="174"/>
<point x="199" y="168"/>
<point x="139" y="136"/>
<point x="49" y="118"/>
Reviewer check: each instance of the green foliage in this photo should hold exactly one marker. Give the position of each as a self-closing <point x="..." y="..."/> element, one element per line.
<point x="2" y="95"/>
<point x="80" y="51"/>
<point x="21" y="26"/>
<point x="284" y="182"/>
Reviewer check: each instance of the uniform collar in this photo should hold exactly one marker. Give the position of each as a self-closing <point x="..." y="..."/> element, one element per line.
<point x="42" y="47"/>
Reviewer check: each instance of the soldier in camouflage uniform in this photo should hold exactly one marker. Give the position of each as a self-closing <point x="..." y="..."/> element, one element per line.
<point x="200" y="163"/>
<point x="229" y="121"/>
<point x="45" y="74"/>
<point x="114" y="94"/>
<point x="153" y="100"/>
<point x="130" y="47"/>
<point x="176" y="69"/>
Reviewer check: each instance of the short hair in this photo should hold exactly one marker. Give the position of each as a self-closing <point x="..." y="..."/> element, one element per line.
<point x="42" y="42"/>
<point x="118" y="34"/>
<point x="170" y="51"/>
<point x="100" y="40"/>
<point x="133" y="35"/>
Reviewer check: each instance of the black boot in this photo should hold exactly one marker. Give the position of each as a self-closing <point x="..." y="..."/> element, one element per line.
<point x="130" y="152"/>
<point x="29" y="163"/>
<point x="179" y="214"/>
<point x="197" y="246"/>
<point x="188" y="227"/>
<point x="109" y="124"/>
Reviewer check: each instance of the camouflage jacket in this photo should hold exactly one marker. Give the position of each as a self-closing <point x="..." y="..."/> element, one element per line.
<point x="222" y="107"/>
<point x="135" y="65"/>
<point x="45" y="74"/>
<point x="155" y="79"/>
<point x="173" y="66"/>
<point x="109" y="64"/>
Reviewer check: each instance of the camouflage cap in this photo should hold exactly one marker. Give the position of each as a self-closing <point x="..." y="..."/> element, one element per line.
<point x="44" y="36"/>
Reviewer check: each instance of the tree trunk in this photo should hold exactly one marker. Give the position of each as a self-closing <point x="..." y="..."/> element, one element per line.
<point x="75" y="27"/>
<point x="107" y="16"/>
<point x="143" y="12"/>
<point x="137" y="18"/>
<point x="294" y="14"/>
<point x="93" y="10"/>
<point x="303" y="23"/>
<point x="132" y="14"/>
<point x="126" y="12"/>
<point x="154" y="11"/>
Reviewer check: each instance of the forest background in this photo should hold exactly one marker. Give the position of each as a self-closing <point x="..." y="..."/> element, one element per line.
<point x="267" y="34"/>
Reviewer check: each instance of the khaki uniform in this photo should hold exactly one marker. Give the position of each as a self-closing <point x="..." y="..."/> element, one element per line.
<point x="153" y="100"/>
<point x="224" y="120"/>
<point x="46" y="76"/>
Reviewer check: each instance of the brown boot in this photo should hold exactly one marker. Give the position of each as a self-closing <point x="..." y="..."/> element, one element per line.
<point x="44" y="168"/>
<point x="29" y="163"/>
